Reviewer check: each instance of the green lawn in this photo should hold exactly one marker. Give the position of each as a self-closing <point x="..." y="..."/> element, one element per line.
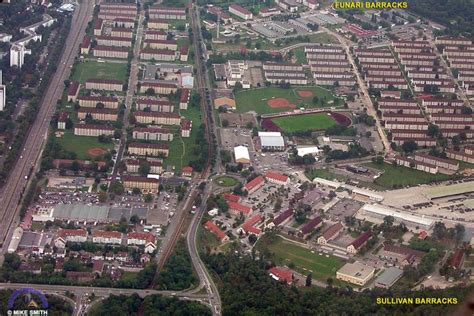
<point x="396" y="176"/>
<point x="300" y="55"/>
<point x="226" y="181"/>
<point x="286" y="253"/>
<point x="301" y="123"/>
<point x="323" y="38"/>
<point x="92" y="69"/>
<point x="206" y="239"/>
<point x="323" y="174"/>
<point x="179" y="155"/>
<point x="256" y="99"/>
<point x="81" y="144"/>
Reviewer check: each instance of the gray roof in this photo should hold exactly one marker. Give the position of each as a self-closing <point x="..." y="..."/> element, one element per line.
<point x="80" y="212"/>
<point x="389" y="277"/>
<point x="272" y="141"/>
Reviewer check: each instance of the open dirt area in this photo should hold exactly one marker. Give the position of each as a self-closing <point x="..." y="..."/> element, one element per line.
<point x="280" y="103"/>
<point x="96" y="152"/>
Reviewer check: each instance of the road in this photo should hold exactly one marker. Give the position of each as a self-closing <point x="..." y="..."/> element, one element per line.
<point x="365" y="93"/>
<point x="31" y="153"/>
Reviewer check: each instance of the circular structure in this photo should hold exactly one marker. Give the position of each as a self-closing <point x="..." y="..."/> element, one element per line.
<point x="305" y="93"/>
<point x="226" y="181"/>
<point x="96" y="152"/>
<point x="280" y="103"/>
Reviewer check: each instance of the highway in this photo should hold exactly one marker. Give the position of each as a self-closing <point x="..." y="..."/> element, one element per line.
<point x="31" y="153"/>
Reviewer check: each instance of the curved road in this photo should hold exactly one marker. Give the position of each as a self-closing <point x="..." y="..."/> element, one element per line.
<point x="31" y="153"/>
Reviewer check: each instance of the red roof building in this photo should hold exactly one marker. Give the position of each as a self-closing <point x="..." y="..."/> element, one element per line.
<point x="249" y="226"/>
<point x="213" y="228"/>
<point x="310" y="226"/>
<point x="359" y="242"/>
<point x="237" y="208"/>
<point x="254" y="185"/>
<point x="275" y="177"/>
<point x="281" y="274"/>
<point x="457" y="259"/>
<point x="283" y="218"/>
<point x="229" y="197"/>
<point x="422" y="235"/>
<point x="187" y="171"/>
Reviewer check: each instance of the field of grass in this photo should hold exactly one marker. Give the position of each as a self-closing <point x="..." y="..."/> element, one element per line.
<point x="256" y="99"/>
<point x="323" y="38"/>
<point x="324" y="174"/>
<point x="81" y="144"/>
<point x="181" y="148"/>
<point x="397" y="176"/>
<point x="300" y="55"/>
<point x="285" y="253"/>
<point x="226" y="181"/>
<point x="301" y="123"/>
<point x="92" y="69"/>
<point x="206" y="240"/>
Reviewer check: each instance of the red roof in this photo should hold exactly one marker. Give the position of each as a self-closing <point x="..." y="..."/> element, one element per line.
<point x="308" y="227"/>
<point x="107" y="81"/>
<point x="362" y="239"/>
<point x="63" y="117"/>
<point x="139" y="179"/>
<point x="186" y="124"/>
<point x="240" y="9"/>
<point x="282" y="274"/>
<point x="98" y="24"/>
<point x="157" y="130"/>
<point x="143" y="236"/>
<point x="106" y="234"/>
<point x="148" y="145"/>
<point x="258" y="180"/>
<point x="187" y="170"/>
<point x="86" y="42"/>
<point x="456" y="260"/>
<point x="239" y="207"/>
<point x="184" y="96"/>
<point x="331" y="231"/>
<point x="73" y="88"/>
<point x="184" y="50"/>
<point x="248" y="226"/>
<point x="282" y="217"/>
<point x="229" y="197"/>
<point x="276" y="176"/>
<point x="72" y="232"/>
<point x="95" y="126"/>
<point x="213" y="228"/>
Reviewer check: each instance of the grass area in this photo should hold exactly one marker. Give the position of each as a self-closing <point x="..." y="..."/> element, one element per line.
<point x="285" y="253"/>
<point x="92" y="69"/>
<point x="226" y="181"/>
<point x="180" y="156"/>
<point x="256" y="99"/>
<point x="206" y="240"/>
<point x="323" y="174"/>
<point x="300" y="55"/>
<point x="323" y="38"/>
<point x="301" y="123"/>
<point x="398" y="176"/>
<point x="81" y="144"/>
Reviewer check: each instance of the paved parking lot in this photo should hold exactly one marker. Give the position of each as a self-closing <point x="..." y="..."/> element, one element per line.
<point x="343" y="208"/>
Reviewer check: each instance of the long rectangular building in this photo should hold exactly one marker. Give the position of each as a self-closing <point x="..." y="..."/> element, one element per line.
<point x="158" y="87"/>
<point x="93" y="130"/>
<point x="152" y="133"/>
<point x="148" y="149"/>
<point x="104" y="84"/>
<point x="110" y="52"/>
<point x="98" y="114"/>
<point x="157" y="118"/>
<point x="92" y="101"/>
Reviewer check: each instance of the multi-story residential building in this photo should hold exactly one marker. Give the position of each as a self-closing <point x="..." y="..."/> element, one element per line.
<point x="240" y="11"/>
<point x="104" y="84"/>
<point x="70" y="235"/>
<point x="113" y="41"/>
<point x="133" y="166"/>
<point x="143" y="183"/>
<point x="93" y="130"/>
<point x="168" y="13"/>
<point x="157" y="54"/>
<point x="142" y="239"/>
<point x="92" y="101"/>
<point x="359" y="242"/>
<point x="418" y="165"/>
<point x="155" y="35"/>
<point x="277" y="178"/>
<point x="158" y="87"/>
<point x="184" y="99"/>
<point x="148" y="149"/>
<point x="110" y="52"/>
<point x="158" y="118"/>
<point x="161" y="44"/>
<point x="85" y="45"/>
<point x="186" y="126"/>
<point x="437" y="161"/>
<point x="124" y="22"/>
<point x="158" y="24"/>
<point x="282" y="67"/>
<point x="154" y="105"/>
<point x="98" y="114"/>
<point x="330" y="233"/>
<point x="152" y="133"/>
<point x="98" y="26"/>
<point x="73" y="91"/>
<point x="106" y="237"/>
<point x="121" y="32"/>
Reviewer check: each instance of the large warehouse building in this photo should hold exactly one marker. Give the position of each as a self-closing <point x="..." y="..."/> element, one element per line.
<point x="381" y="212"/>
<point x="241" y="154"/>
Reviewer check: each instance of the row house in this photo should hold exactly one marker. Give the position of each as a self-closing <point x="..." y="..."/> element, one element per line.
<point x="390" y="94"/>
<point x="468" y="118"/>
<point x="168" y="13"/>
<point x="110" y="52"/>
<point x="461" y="64"/>
<point x="157" y="118"/>
<point x="417" y="56"/>
<point x="214" y="229"/>
<point x="148" y="149"/>
<point x="98" y="26"/>
<point x="142" y="183"/>
<point x="421" y="126"/>
<point x="133" y="166"/>
<point x="445" y="88"/>
<point x="93" y="130"/>
<point x="451" y="132"/>
<point x="373" y="53"/>
<point x="107" y="237"/>
<point x="448" y="40"/>
<point x="395" y="109"/>
<point x="154" y="105"/>
<point x="161" y="44"/>
<point x="416" y="62"/>
<point x="142" y="239"/>
<point x="124" y="23"/>
<point x="251" y="226"/>
<point x="73" y="91"/>
<point x="323" y="56"/>
<point x="104" y="84"/>
<point x="184" y="99"/>
<point x="464" y="47"/>
<point x="436" y="82"/>
<point x="415" y="133"/>
<point x="186" y="126"/>
<point x="333" y="81"/>
<point x="152" y="133"/>
<point x="419" y="44"/>
<point x="157" y="24"/>
<point x="118" y="5"/>
<point x="439" y="162"/>
<point x="282" y="67"/>
<point x="375" y="59"/>
<point x="110" y="16"/>
<point x="98" y="114"/>
<point x="328" y="62"/>
<point x="382" y="72"/>
<point x="457" y="52"/>
<point x="397" y="102"/>
<point x="464" y="76"/>
<point x="394" y="117"/>
<point x="155" y="35"/>
<point x="466" y="154"/>
<point x="382" y="84"/>
<point x="92" y="101"/>
<point x="184" y="53"/>
<point x="427" y="75"/>
<point x="113" y="41"/>
<point x="334" y="75"/>
<point x="323" y="49"/>
<point x="421" y="166"/>
<point x="219" y="12"/>
<point x="330" y="68"/>
<point x="297" y="80"/>
<point x="157" y="54"/>
<point x="282" y="219"/>
<point x="418" y="68"/>
<point x="422" y="141"/>
<point x="411" y="50"/>
<point x="158" y="87"/>
<point x="70" y="235"/>
<point x="85" y="45"/>
<point x="449" y="124"/>
<point x="389" y="65"/>
<point x="121" y="32"/>
<point x="440" y="107"/>
<point x="240" y="11"/>
<point x="395" y="79"/>
<point x="118" y="10"/>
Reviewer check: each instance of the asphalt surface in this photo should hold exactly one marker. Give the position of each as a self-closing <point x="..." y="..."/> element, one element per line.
<point x="31" y="152"/>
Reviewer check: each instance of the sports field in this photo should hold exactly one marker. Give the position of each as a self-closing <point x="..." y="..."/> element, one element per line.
<point x="398" y="176"/>
<point x="95" y="70"/>
<point x="85" y="147"/>
<point x="258" y="99"/>
<point x="284" y="253"/>
<point x="301" y="123"/>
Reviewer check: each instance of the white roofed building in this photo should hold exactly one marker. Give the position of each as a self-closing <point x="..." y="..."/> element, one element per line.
<point x="241" y="154"/>
<point x="408" y="219"/>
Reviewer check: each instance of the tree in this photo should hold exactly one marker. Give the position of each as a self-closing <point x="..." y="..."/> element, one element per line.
<point x="134" y="219"/>
<point x="148" y="198"/>
<point x="252" y="239"/>
<point x="225" y="123"/>
<point x="117" y="187"/>
<point x="388" y="221"/>
<point x="150" y="92"/>
<point x="409" y="146"/>
<point x="102" y="196"/>
<point x="433" y="130"/>
<point x="309" y="280"/>
<point x="136" y="191"/>
<point x="144" y="168"/>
